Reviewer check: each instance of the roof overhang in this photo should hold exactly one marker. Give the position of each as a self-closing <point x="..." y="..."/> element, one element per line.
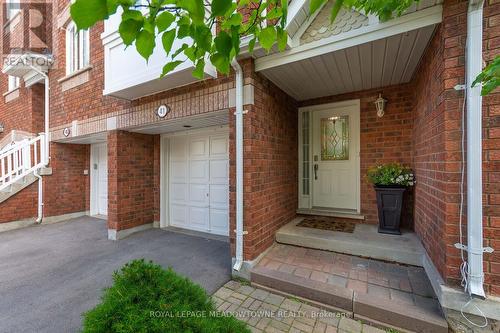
<point x="31" y="67"/>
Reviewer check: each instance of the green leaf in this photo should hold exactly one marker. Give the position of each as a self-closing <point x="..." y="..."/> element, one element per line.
<point x="335" y="9"/>
<point x="267" y="37"/>
<point x="128" y="31"/>
<point x="86" y="13"/>
<point x="132" y="15"/>
<point x="220" y="7"/>
<point x="167" y="40"/>
<point x="195" y="9"/>
<point x="315" y="5"/>
<point x="199" y="71"/>
<point x="170" y="67"/>
<point x="203" y="37"/>
<point x="220" y="62"/>
<point x="179" y="50"/>
<point x="234" y="20"/>
<point x="223" y="43"/>
<point x="145" y="43"/>
<point x="251" y="45"/>
<point x="282" y="37"/>
<point x="164" y="21"/>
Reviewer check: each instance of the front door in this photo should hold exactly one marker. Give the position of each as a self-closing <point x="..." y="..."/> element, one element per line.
<point x="336" y="157"/>
<point x="99" y="179"/>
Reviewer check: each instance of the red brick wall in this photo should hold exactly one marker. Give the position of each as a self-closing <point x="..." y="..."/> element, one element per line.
<point x="131" y="181"/>
<point x="270" y="164"/>
<point x="437" y="145"/>
<point x="383" y="140"/>
<point x="65" y="191"/>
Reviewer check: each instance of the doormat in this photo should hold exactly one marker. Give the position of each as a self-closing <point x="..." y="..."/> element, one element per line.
<point x="327" y="223"/>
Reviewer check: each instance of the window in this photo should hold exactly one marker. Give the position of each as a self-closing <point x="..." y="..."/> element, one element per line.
<point x="13" y="82"/>
<point x="77" y="49"/>
<point x="12" y="8"/>
<point x="335" y="138"/>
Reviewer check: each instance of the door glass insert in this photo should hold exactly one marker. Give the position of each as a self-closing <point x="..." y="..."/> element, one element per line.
<point x="335" y="138"/>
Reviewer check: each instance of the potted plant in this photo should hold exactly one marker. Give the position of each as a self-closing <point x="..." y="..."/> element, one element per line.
<point x="390" y="182"/>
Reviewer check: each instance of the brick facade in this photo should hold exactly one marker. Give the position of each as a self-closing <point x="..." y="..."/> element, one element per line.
<point x="270" y="164"/>
<point x="421" y="128"/>
<point x="131" y="181"/>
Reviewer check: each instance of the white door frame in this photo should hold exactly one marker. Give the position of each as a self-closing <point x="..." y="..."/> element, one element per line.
<point x="305" y="201"/>
<point x="165" y="160"/>
<point x="94" y="197"/>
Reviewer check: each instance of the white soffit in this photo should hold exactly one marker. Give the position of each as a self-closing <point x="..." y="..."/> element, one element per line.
<point x="416" y="20"/>
<point x="382" y="62"/>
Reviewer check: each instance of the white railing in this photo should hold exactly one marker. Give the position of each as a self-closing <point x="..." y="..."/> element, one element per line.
<point x="21" y="159"/>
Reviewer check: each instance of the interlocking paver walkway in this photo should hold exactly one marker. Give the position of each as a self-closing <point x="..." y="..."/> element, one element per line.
<point x="267" y="312"/>
<point x="389" y="281"/>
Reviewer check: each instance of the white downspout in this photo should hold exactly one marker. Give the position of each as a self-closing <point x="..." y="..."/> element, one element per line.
<point x="45" y="143"/>
<point x="239" y="164"/>
<point x="474" y="56"/>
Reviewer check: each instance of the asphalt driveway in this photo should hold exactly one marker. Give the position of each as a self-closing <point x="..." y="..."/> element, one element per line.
<point x="51" y="274"/>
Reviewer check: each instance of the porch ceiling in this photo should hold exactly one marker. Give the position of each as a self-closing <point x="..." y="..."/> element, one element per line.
<point x="388" y="61"/>
<point x="208" y="119"/>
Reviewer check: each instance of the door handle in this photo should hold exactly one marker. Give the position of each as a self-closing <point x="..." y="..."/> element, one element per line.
<point x="316" y="166"/>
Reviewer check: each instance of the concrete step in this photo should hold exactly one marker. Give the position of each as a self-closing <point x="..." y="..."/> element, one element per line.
<point x="365" y="241"/>
<point x="423" y="316"/>
<point x="331" y="212"/>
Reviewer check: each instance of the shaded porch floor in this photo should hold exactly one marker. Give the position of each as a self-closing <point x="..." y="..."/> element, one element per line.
<point x="391" y="294"/>
<point x="365" y="241"/>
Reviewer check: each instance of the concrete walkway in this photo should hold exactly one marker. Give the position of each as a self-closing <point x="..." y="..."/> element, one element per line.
<point x="51" y="274"/>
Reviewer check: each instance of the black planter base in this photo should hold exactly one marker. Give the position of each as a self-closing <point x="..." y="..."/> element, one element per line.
<point x="389" y="204"/>
<point x="388" y="231"/>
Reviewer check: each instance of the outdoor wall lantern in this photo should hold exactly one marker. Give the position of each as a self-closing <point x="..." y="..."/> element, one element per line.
<point x="380" y="105"/>
<point x="2" y="127"/>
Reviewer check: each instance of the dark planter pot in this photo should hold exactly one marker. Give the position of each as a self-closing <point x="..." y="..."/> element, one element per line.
<point x="389" y="203"/>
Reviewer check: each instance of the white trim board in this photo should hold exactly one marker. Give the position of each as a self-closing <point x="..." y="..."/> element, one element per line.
<point x="413" y="21"/>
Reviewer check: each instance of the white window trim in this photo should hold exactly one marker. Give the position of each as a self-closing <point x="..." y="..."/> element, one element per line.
<point x="12" y="12"/>
<point x="76" y="62"/>
<point x="13" y="83"/>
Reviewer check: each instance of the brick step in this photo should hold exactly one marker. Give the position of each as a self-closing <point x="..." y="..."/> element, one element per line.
<point x="422" y="317"/>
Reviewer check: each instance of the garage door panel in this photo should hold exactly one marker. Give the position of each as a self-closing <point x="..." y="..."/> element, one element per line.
<point x="178" y="148"/>
<point x="198" y="148"/>
<point x="198" y="218"/>
<point x="198" y="194"/>
<point x="219" y="147"/>
<point x="178" y="192"/>
<point x="178" y="215"/>
<point x="218" y="221"/>
<point x="198" y="171"/>
<point x="219" y="196"/>
<point x="178" y="171"/>
<point x="219" y="172"/>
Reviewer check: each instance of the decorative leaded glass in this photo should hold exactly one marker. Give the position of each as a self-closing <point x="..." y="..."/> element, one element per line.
<point x="335" y="138"/>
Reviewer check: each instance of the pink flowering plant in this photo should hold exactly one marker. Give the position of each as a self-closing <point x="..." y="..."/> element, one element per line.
<point x="391" y="174"/>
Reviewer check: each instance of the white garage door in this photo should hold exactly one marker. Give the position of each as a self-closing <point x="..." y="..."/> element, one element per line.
<point x="199" y="182"/>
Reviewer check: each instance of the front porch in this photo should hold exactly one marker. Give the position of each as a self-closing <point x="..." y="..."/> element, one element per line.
<point x="369" y="290"/>
<point x="364" y="241"/>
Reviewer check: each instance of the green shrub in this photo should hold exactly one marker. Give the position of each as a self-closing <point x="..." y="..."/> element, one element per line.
<point x="147" y="298"/>
<point x="391" y="174"/>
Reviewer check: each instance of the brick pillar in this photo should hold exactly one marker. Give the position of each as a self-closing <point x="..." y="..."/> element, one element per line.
<point x="131" y="182"/>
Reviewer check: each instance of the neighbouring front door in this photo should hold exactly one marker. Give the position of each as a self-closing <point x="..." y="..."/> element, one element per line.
<point x="335" y="158"/>
<point x="99" y="178"/>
